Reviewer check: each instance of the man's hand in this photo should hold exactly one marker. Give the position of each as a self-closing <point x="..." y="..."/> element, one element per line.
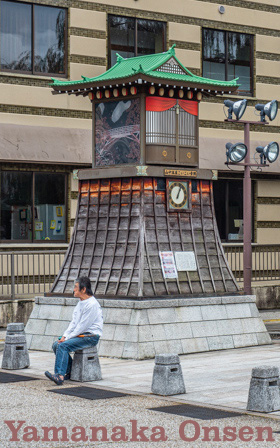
<point x="61" y="340"/>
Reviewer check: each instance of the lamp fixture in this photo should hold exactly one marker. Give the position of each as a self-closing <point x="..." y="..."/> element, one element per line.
<point x="236" y="152"/>
<point x="269" y="109"/>
<point x="269" y="152"/>
<point x="237" y="107"/>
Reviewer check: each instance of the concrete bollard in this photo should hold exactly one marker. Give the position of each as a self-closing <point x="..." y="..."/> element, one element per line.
<point x="168" y="377"/>
<point x="15" y="355"/>
<point x="264" y="394"/>
<point x="86" y="366"/>
<point x="15" y="328"/>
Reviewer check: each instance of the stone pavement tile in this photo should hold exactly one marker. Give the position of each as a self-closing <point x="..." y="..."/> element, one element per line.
<point x="220" y="378"/>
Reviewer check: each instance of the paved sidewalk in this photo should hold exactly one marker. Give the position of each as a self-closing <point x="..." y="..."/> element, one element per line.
<point x="219" y="378"/>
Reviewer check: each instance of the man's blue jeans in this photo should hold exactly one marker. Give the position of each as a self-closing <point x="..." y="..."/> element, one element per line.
<point x="63" y="360"/>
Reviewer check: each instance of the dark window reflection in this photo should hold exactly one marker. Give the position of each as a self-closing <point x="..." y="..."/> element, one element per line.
<point x="228" y="55"/>
<point x="16" y="206"/>
<point x="150" y="37"/>
<point x="131" y="37"/>
<point x="24" y="25"/>
<point x="50" y="216"/>
<point x="214" y="54"/>
<point x="17" y="220"/>
<point x="122" y="32"/>
<point x="228" y="201"/>
<point x="49" y="44"/>
<point x="16" y="36"/>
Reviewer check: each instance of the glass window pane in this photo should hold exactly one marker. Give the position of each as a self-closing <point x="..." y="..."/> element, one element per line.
<point x="15" y="36"/>
<point x="16" y="206"/>
<point x="117" y="132"/>
<point x="239" y="51"/>
<point x="150" y="37"/>
<point x="235" y="210"/>
<point x="239" y="48"/>
<point x="214" y="70"/>
<point x="219" y="190"/>
<point x="49" y="39"/>
<point x="214" y="47"/>
<point x="50" y="210"/>
<point x="243" y="73"/>
<point x="121" y="34"/>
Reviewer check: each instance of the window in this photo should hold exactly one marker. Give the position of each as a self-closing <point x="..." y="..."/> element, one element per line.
<point x="171" y="122"/>
<point x="228" y="201"/>
<point x="134" y="37"/>
<point x="33" y="206"/>
<point x="33" y="38"/>
<point x="228" y="55"/>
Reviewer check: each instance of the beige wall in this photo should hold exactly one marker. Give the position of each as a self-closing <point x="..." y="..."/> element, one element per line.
<point x="22" y="104"/>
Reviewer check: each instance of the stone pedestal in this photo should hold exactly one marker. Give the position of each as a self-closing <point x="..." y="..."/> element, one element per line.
<point x="15" y="354"/>
<point x="141" y="329"/>
<point x="86" y="366"/>
<point x="168" y="377"/>
<point x="264" y="394"/>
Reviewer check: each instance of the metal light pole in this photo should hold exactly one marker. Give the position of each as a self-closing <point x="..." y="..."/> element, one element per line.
<point x="247" y="205"/>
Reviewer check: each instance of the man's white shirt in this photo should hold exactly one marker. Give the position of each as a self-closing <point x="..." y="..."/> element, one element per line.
<point x="87" y="318"/>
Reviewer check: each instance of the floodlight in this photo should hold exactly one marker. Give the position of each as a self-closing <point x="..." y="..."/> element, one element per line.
<point x="236" y="152"/>
<point x="269" y="152"/>
<point x="237" y="107"/>
<point x="269" y="109"/>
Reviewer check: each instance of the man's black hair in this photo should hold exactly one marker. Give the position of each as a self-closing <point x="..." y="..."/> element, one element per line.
<point x="84" y="282"/>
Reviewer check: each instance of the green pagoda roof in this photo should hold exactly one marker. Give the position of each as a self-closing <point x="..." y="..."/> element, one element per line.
<point x="150" y="68"/>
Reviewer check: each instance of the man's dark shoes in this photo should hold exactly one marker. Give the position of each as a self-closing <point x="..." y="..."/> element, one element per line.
<point x="55" y="378"/>
<point x="67" y="376"/>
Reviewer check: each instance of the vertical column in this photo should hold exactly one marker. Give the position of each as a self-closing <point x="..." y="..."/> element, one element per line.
<point x="247" y="216"/>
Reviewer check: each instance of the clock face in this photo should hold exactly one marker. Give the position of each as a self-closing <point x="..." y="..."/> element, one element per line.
<point x="178" y="195"/>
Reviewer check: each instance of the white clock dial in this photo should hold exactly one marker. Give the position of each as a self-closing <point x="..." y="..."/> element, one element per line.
<point x="178" y="194"/>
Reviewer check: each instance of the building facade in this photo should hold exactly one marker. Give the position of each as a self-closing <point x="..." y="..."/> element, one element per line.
<point x="44" y="139"/>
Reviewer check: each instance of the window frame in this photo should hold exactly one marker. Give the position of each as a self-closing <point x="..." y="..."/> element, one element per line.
<point x="226" y="33"/>
<point x="135" y="34"/>
<point x="33" y="240"/>
<point x="65" y="58"/>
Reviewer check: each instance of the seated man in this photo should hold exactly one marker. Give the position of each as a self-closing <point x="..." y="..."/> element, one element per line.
<point x="84" y="331"/>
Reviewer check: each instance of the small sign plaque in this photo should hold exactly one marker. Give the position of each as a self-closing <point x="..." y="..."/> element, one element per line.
<point x="180" y="173"/>
<point x="168" y="265"/>
<point x="185" y="261"/>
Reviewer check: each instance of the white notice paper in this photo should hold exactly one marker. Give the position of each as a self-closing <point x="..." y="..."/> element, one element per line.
<point x="168" y="265"/>
<point x="185" y="261"/>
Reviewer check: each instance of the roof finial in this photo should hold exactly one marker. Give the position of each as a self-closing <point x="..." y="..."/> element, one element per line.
<point x="172" y="49"/>
<point x="119" y="58"/>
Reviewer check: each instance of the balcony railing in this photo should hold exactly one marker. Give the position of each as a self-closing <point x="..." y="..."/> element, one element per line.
<point x="265" y="261"/>
<point x="28" y="273"/>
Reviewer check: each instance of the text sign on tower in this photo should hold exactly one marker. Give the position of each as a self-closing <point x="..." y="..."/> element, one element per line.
<point x="185" y="261"/>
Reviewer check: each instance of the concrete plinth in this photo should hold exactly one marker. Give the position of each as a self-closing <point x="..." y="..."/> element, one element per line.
<point x="15" y="354"/>
<point x="86" y="366"/>
<point x="141" y="329"/>
<point x="264" y="395"/>
<point x="168" y="376"/>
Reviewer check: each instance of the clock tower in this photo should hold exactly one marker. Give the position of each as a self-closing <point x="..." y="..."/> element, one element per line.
<point x="145" y="195"/>
<point x="145" y="230"/>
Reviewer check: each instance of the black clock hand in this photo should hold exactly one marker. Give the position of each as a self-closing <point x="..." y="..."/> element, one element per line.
<point x="178" y="192"/>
